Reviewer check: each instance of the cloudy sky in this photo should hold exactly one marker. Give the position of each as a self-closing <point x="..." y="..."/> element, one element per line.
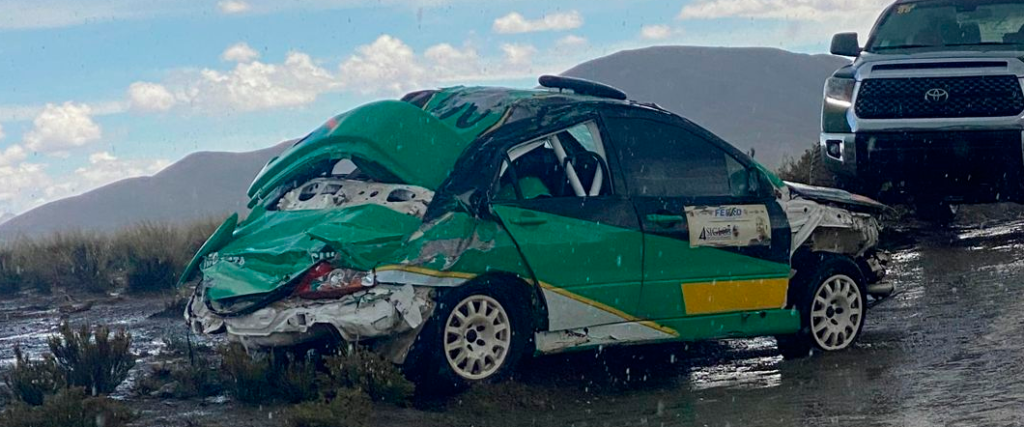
<point x="96" y="91"/>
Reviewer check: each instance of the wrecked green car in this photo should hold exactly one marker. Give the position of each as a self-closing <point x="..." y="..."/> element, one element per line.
<point x="458" y="230"/>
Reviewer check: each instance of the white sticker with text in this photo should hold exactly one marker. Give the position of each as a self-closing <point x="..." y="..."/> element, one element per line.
<point x="729" y="225"/>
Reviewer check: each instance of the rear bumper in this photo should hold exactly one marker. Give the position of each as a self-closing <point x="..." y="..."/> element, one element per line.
<point x="382" y="312"/>
<point x="959" y="166"/>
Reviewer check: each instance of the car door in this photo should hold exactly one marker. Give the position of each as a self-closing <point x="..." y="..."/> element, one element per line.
<point x="716" y="239"/>
<point x="582" y="241"/>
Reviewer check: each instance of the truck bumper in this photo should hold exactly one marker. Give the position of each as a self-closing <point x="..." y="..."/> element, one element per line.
<point x="975" y="166"/>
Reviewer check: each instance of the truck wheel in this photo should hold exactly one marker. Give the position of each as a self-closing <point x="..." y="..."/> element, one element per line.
<point x="478" y="333"/>
<point x="829" y="295"/>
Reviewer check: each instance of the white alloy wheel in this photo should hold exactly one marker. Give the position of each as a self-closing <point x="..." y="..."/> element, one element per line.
<point x="836" y="313"/>
<point x="477" y="337"/>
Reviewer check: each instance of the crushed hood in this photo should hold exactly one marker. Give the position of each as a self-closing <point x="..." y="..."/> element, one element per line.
<point x="836" y="196"/>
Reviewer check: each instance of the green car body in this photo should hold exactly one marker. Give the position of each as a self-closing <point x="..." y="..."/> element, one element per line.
<point x="540" y="193"/>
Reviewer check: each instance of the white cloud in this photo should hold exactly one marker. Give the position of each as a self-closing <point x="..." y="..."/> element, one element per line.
<point x="2" y="135"/>
<point x="655" y="32"/>
<point x="59" y="128"/>
<point x="104" y="168"/>
<point x="239" y="52"/>
<point x="144" y="96"/>
<point x="233" y="6"/>
<point x="518" y="54"/>
<point x="571" y="41"/>
<point x="516" y="23"/>
<point x="26" y="185"/>
<point x="253" y="86"/>
<point x="386" y="65"/>
<point x="799" y="10"/>
<point x="12" y="155"/>
<point x="450" y="63"/>
<point x="23" y="182"/>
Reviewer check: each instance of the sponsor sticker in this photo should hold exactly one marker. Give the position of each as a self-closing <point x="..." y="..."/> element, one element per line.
<point x="729" y="225"/>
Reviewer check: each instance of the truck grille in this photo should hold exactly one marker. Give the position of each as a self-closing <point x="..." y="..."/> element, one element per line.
<point x="963" y="164"/>
<point x="940" y="97"/>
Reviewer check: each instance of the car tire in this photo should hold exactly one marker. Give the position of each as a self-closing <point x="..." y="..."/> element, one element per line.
<point x="828" y="291"/>
<point x="478" y="333"/>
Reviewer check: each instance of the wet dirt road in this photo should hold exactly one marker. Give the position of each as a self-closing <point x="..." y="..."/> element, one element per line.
<point x="948" y="350"/>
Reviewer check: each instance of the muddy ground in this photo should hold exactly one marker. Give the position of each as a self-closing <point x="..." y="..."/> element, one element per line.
<point x="947" y="350"/>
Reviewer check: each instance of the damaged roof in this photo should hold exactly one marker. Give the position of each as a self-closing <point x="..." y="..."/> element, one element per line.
<point x="443" y="123"/>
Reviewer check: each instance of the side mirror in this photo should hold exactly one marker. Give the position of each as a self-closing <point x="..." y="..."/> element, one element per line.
<point x="845" y="44"/>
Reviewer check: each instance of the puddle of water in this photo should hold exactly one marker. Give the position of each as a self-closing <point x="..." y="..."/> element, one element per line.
<point x="756" y="373"/>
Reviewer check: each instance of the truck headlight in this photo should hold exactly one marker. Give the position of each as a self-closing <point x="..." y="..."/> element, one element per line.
<point x="839" y="91"/>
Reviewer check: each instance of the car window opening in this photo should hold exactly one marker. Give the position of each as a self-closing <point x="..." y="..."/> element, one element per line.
<point x="569" y="163"/>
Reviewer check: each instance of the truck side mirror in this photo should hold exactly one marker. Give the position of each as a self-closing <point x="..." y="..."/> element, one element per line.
<point x="845" y="44"/>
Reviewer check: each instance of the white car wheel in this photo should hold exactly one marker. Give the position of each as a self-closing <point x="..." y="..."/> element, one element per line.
<point x="477" y="337"/>
<point x="836" y="313"/>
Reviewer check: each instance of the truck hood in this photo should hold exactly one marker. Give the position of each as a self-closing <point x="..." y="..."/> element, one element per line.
<point x="940" y="54"/>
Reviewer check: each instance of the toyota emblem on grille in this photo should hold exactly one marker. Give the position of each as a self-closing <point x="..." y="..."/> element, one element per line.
<point x="936" y="95"/>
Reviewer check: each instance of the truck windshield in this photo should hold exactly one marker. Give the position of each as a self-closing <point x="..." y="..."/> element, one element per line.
<point x="950" y="24"/>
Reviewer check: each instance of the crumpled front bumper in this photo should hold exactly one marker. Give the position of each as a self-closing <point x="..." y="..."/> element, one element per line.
<point x="384" y="311"/>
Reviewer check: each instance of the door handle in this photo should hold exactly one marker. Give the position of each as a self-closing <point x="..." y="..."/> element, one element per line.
<point x="529" y="220"/>
<point x="665" y="220"/>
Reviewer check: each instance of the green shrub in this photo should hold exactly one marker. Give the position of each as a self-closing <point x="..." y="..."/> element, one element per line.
<point x="248" y="378"/>
<point x="92" y="358"/>
<point x="74" y="260"/>
<point x="31" y="381"/>
<point x="347" y="408"/>
<point x="67" y="408"/>
<point x="256" y="379"/>
<point x="78" y="260"/>
<point x="199" y="379"/>
<point x="295" y="379"/>
<point x="145" y="257"/>
<point x="362" y="369"/>
<point x="807" y="169"/>
<point x="10" y="275"/>
<point x="152" y="256"/>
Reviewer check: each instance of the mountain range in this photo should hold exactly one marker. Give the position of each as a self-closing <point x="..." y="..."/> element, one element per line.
<point x="763" y="99"/>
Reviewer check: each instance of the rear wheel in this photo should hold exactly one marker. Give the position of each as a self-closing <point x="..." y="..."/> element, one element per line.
<point x="830" y="297"/>
<point x="477" y="337"/>
<point x="478" y="333"/>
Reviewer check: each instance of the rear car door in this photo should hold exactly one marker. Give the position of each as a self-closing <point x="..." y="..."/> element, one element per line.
<point x="582" y="241"/>
<point x="716" y="239"/>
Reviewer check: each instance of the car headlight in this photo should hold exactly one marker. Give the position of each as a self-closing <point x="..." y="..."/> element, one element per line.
<point x="839" y="91"/>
